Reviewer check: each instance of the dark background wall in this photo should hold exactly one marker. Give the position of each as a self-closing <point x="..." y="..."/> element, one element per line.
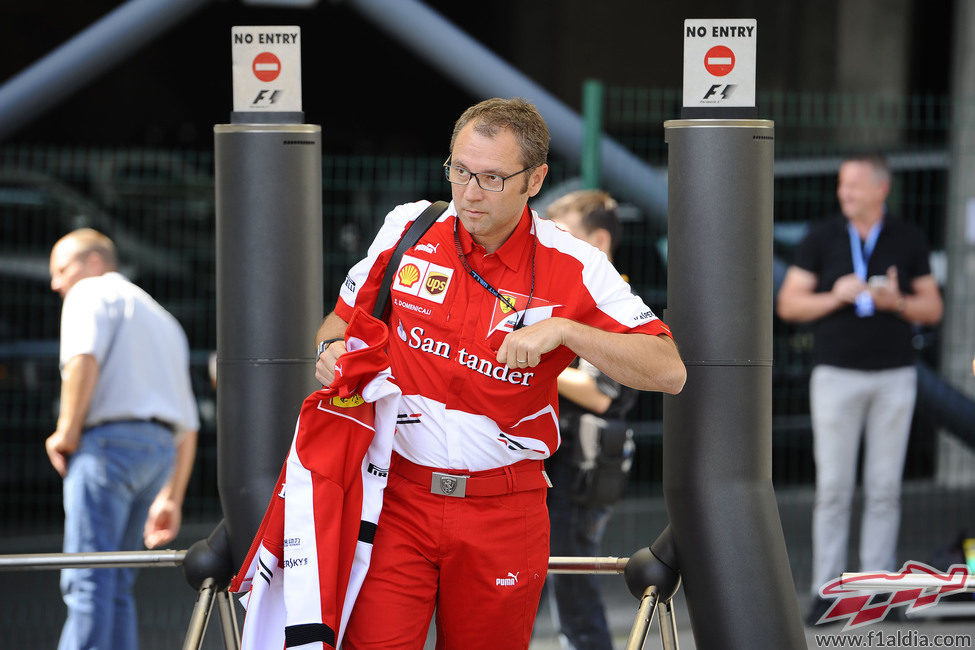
<point x="373" y="96"/>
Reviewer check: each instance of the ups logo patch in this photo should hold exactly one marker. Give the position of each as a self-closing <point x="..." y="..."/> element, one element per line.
<point x="436" y="283"/>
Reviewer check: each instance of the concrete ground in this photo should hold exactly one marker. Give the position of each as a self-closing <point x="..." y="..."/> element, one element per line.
<point x="31" y="611"/>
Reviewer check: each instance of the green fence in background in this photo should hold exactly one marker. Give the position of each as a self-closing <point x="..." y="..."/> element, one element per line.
<point x="158" y="205"/>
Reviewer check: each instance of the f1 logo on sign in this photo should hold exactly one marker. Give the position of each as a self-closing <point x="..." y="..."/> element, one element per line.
<point x="266" y="68"/>
<point x="719" y="62"/>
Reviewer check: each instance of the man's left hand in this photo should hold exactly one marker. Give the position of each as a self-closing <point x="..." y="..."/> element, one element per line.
<point x="888" y="297"/>
<point x="163" y="522"/>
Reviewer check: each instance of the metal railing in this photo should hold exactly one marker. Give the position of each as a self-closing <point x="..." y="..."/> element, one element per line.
<point x="105" y="560"/>
<point x="209" y="592"/>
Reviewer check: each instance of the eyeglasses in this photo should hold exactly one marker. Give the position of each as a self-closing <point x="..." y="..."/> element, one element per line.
<point x="490" y="182"/>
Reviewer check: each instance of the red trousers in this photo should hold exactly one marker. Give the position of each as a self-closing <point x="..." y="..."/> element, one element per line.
<point x="479" y="561"/>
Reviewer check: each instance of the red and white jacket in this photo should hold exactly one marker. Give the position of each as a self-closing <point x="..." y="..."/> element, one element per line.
<point x="460" y="408"/>
<point x="312" y="551"/>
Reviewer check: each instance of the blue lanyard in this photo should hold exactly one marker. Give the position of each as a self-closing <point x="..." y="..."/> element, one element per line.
<point x="861" y="255"/>
<point x="863" y="304"/>
<point x="484" y="283"/>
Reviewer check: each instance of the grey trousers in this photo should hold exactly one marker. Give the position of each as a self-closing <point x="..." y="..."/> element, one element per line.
<point x="847" y="406"/>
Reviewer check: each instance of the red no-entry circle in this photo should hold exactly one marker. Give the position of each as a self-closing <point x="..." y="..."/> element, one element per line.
<point x="266" y="66"/>
<point x="719" y="60"/>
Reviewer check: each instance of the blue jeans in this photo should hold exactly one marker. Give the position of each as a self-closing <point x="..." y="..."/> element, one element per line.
<point x="577" y="530"/>
<point x="112" y="480"/>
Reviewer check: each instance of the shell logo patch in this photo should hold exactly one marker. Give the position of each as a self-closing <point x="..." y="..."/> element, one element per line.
<point x="423" y="279"/>
<point x="348" y="402"/>
<point x="408" y="275"/>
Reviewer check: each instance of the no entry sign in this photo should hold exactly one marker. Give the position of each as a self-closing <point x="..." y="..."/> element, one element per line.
<point x="266" y="68"/>
<point x="719" y="62"/>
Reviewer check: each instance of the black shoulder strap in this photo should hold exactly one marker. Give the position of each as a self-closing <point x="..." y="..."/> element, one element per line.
<point x="419" y="226"/>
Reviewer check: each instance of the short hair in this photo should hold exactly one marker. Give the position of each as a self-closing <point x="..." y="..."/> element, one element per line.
<point x="516" y="114"/>
<point x="597" y="208"/>
<point x="90" y="240"/>
<point x="876" y="161"/>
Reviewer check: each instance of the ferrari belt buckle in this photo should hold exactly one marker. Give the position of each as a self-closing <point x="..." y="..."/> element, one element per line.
<point x="449" y="485"/>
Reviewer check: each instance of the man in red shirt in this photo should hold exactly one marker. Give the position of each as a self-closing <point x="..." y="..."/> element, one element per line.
<point x="487" y="309"/>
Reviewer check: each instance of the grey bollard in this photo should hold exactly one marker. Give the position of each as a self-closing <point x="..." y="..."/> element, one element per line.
<point x="269" y="306"/>
<point x="717" y="448"/>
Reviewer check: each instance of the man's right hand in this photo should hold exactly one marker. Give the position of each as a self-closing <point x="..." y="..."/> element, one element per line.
<point x="325" y="365"/>
<point x="60" y="446"/>
<point x="846" y="288"/>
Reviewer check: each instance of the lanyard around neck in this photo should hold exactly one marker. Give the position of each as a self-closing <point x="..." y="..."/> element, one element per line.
<point x="484" y="283"/>
<point x="861" y="255"/>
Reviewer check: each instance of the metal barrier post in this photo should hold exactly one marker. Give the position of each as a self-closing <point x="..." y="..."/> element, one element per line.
<point x="644" y="617"/>
<point x="200" y="619"/>
<point x="649" y="574"/>
<point x="228" y="620"/>
<point x="201" y="616"/>
<point x="668" y="626"/>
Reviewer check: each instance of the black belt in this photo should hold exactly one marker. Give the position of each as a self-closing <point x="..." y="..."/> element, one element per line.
<point x="163" y="423"/>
